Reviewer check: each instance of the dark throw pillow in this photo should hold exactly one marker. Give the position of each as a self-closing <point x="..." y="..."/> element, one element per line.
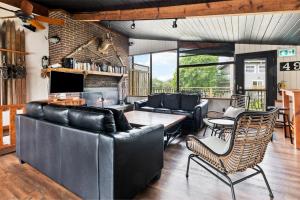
<point x="171" y="101"/>
<point x="121" y="121"/>
<point x="189" y="101"/>
<point x="154" y="101"/>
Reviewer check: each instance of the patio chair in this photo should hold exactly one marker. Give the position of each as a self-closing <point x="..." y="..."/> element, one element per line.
<point x="238" y="104"/>
<point x="246" y="148"/>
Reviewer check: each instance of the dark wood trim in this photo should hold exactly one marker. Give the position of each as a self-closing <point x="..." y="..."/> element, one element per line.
<point x="177" y="71"/>
<point x="231" y="7"/>
<point x="37" y="8"/>
<point x="271" y="72"/>
<point x="150" y="73"/>
<point x="154" y="52"/>
<point x="206" y="64"/>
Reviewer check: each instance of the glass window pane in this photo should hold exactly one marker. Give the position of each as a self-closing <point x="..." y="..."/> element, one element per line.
<point x="255" y="75"/>
<point x="142" y="59"/>
<point x="211" y="81"/>
<point x="164" y="72"/>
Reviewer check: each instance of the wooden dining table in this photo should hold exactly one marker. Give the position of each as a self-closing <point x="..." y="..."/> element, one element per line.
<point x="294" y="94"/>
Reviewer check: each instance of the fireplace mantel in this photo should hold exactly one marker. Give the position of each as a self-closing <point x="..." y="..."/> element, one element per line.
<point x="46" y="72"/>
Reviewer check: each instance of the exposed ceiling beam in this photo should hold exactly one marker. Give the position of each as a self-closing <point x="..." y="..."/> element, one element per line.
<point x="229" y="7"/>
<point x="37" y="8"/>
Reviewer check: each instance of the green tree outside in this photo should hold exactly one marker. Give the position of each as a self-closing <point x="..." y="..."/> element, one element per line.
<point x="195" y="77"/>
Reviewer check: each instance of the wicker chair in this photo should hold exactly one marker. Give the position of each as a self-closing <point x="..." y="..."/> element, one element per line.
<point x="245" y="149"/>
<point x="236" y="101"/>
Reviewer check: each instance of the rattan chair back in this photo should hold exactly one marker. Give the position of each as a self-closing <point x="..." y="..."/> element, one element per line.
<point x="240" y="101"/>
<point x="251" y="135"/>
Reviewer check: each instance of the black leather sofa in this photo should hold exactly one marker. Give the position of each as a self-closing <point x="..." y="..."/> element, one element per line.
<point x="190" y="105"/>
<point x="82" y="149"/>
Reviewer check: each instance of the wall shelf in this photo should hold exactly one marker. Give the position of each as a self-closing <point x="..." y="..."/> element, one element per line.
<point x="46" y="72"/>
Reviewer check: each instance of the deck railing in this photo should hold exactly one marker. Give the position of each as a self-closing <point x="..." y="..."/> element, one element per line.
<point x="206" y="92"/>
<point x="8" y="126"/>
<point x="257" y="96"/>
<point x="257" y="99"/>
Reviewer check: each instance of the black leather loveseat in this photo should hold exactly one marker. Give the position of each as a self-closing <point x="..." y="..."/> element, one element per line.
<point x="190" y="105"/>
<point x="82" y="149"/>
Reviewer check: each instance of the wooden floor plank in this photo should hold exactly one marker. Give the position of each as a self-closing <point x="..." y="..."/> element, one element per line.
<point x="281" y="165"/>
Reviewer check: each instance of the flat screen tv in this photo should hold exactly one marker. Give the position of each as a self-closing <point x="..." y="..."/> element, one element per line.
<point x="61" y="82"/>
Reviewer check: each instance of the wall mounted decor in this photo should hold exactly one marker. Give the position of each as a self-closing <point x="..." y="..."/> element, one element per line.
<point x="12" y="64"/>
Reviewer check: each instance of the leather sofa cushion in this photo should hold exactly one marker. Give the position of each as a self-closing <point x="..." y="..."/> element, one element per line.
<point x="56" y="114"/>
<point x="162" y="110"/>
<point x="92" y="119"/>
<point x="121" y="121"/>
<point x="35" y="109"/>
<point x="155" y="100"/>
<point x="189" y="114"/>
<point x="147" y="108"/>
<point x="189" y="101"/>
<point x="171" y="101"/>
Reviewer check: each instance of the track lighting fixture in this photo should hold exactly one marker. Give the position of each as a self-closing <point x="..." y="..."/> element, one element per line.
<point x="174" y="23"/>
<point x="133" y="25"/>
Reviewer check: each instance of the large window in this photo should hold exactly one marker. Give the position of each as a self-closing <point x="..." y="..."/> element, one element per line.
<point x="164" y="72"/>
<point x="142" y="59"/>
<point x="212" y="76"/>
<point x="139" y="75"/>
<point x="211" y="80"/>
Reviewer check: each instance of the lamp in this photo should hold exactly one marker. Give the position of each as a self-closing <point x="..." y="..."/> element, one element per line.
<point x="54" y="39"/>
<point x="100" y="99"/>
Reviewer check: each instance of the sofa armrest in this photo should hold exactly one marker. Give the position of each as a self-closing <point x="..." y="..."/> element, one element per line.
<point x="200" y="112"/>
<point x="139" y="104"/>
<point x="138" y="158"/>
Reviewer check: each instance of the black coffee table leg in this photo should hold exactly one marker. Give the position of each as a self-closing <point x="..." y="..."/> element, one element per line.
<point x="172" y="134"/>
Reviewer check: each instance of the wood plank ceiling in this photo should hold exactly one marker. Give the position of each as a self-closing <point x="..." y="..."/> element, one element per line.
<point x="272" y="28"/>
<point x="260" y="28"/>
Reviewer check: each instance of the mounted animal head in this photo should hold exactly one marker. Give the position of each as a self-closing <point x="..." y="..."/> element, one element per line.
<point x="105" y="44"/>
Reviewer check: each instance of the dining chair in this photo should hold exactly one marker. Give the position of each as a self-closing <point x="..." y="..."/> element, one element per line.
<point x="246" y="148"/>
<point x="238" y="103"/>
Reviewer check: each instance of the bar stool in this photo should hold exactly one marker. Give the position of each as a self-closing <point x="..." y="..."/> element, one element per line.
<point x="286" y="123"/>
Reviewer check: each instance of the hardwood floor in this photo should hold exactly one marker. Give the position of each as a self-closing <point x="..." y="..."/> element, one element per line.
<point x="281" y="165"/>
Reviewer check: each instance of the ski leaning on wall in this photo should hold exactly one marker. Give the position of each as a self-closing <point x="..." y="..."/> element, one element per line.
<point x="12" y="64"/>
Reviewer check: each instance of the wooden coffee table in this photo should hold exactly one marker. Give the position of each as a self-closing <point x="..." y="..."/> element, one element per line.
<point x="172" y="123"/>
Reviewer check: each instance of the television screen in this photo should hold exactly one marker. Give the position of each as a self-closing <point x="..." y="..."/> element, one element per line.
<point x="61" y="82"/>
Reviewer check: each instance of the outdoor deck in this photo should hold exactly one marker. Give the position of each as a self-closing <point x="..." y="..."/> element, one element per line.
<point x="281" y="166"/>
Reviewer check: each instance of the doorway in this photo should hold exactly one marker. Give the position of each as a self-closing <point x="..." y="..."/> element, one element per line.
<point x="256" y="76"/>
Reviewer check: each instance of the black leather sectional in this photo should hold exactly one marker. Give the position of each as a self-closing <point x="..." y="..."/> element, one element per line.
<point x="86" y="151"/>
<point x="190" y="105"/>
